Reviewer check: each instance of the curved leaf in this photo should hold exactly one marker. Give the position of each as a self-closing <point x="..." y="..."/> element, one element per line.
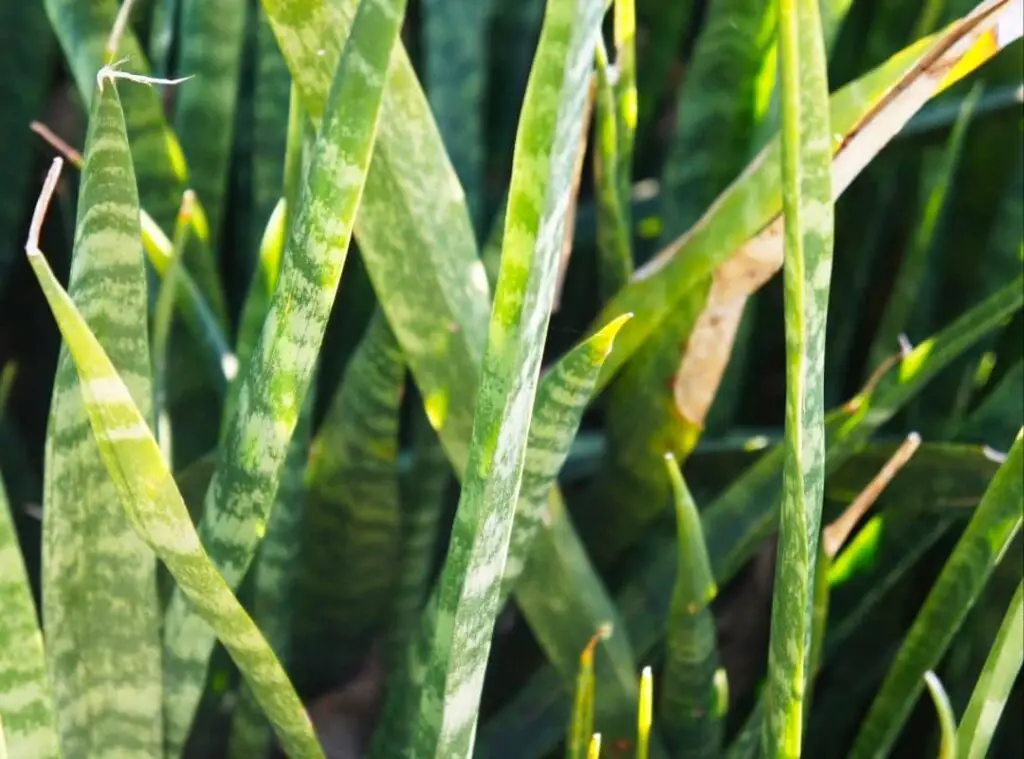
<point x="210" y="50"/>
<point x="944" y="710"/>
<point x="274" y="585"/>
<point x="155" y="510"/>
<point x="102" y="626"/>
<point x="279" y="373"/>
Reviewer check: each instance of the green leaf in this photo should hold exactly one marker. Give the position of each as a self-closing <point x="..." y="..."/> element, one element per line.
<point x="102" y="626"/>
<point x="807" y="200"/>
<point x="26" y="703"/>
<point x="278" y="376"/>
<point x="455" y="37"/>
<point x="413" y="228"/>
<point x="944" y="710"/>
<point x="581" y="726"/>
<point x="158" y="515"/>
<point x="542" y="184"/>
<point x="271" y="98"/>
<point x="691" y="717"/>
<point x="994" y="524"/>
<point x="737" y="522"/>
<point x="350" y="554"/>
<point x="751" y="203"/>
<point x="995" y="682"/>
<point x="210" y="50"/>
<point x="274" y="585"/>
<point x="562" y="397"/>
<point x="614" y="236"/>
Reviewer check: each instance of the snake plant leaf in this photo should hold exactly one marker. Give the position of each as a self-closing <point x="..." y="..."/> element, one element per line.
<point x="275" y="566"/>
<point x="413" y="229"/>
<point x="691" y="717"/>
<point x="614" y="236"/>
<point x="707" y="320"/>
<point x="26" y="703"/>
<point x="106" y="677"/>
<point x="423" y="488"/>
<point x="737" y="522"/>
<point x="210" y="50"/>
<point x="944" y="711"/>
<point x="540" y="194"/>
<point x="868" y="111"/>
<point x="158" y="515"/>
<point x="271" y="108"/>
<point x="455" y="38"/>
<point x="992" y="691"/>
<point x="279" y="373"/>
<point x="562" y="397"/>
<point x="350" y="557"/>
<point x="994" y="524"/>
<point x="807" y="201"/>
<point x="26" y="54"/>
<point x="434" y="293"/>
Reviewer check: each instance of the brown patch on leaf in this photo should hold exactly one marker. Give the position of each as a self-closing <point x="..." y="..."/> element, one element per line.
<point x="710" y="345"/>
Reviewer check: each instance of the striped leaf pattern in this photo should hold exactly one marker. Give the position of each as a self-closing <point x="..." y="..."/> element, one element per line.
<point x="995" y="523"/>
<point x="737" y="522"/>
<point x="274" y="586"/>
<point x="455" y="66"/>
<point x="26" y="703"/>
<point x="278" y="376"/>
<point x="413" y="229"/>
<point x="99" y="579"/>
<point x="809" y="219"/>
<point x="210" y="49"/>
<point x="542" y="176"/>
<point x="691" y="718"/>
<point x="562" y="397"/>
<point x="154" y="507"/>
<point x="351" y="532"/>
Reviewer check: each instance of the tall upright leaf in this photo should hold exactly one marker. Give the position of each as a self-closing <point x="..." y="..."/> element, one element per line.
<point x="210" y="50"/>
<point x="992" y="527"/>
<point x="455" y="37"/>
<point x="413" y="228"/>
<point x="539" y="197"/>
<point x="278" y="376"/>
<point x="99" y="579"/>
<point x="349" y="565"/>
<point x="26" y="703"/>
<point x="807" y="201"/>
<point x="156" y="511"/>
